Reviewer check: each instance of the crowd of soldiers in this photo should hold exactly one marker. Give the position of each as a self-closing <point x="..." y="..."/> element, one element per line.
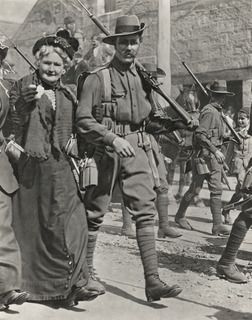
<point x="63" y="151"/>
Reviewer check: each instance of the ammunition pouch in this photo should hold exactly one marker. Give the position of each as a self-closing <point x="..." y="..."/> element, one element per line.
<point x="201" y="166"/>
<point x="88" y="174"/>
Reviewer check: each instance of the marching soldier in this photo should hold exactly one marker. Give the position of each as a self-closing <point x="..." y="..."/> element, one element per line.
<point x="226" y="267"/>
<point x="207" y="160"/>
<point x="120" y="127"/>
<point x="162" y="201"/>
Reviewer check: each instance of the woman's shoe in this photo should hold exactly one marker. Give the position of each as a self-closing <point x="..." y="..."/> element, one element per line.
<point x="79" y="294"/>
<point x="13" y="297"/>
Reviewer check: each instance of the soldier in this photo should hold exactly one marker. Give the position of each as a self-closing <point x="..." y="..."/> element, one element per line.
<point x="162" y="201"/>
<point x="207" y="160"/>
<point x="226" y="267"/>
<point x="10" y="260"/>
<point x="126" y="151"/>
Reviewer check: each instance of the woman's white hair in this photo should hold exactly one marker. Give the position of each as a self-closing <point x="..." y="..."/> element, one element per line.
<point x="46" y="50"/>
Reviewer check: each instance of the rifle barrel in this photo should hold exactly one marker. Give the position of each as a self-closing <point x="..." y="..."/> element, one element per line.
<point x="195" y="79"/>
<point x="146" y="75"/>
<point x="234" y="133"/>
<point x="24" y="57"/>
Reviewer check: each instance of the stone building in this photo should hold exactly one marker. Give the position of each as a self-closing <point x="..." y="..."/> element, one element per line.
<point x="212" y="36"/>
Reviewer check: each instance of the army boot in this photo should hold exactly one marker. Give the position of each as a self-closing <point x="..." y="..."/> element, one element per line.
<point x="164" y="229"/>
<point x="231" y="273"/>
<point x="227" y="218"/>
<point x="180" y="218"/>
<point x="218" y="229"/>
<point x="155" y="289"/>
<point x="226" y="267"/>
<point x="127" y="229"/>
<point x="93" y="284"/>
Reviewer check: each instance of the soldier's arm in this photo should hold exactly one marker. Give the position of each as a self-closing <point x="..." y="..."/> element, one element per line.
<point x="156" y="125"/>
<point x="202" y="133"/>
<point x="87" y="126"/>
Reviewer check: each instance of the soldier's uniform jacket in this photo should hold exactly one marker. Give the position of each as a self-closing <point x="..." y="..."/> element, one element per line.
<point x="210" y="133"/>
<point x="130" y="105"/>
<point x="128" y="114"/>
<point x="7" y="179"/>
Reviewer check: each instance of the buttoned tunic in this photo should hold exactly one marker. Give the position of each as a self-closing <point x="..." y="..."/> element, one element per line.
<point x="49" y="215"/>
<point x="131" y="107"/>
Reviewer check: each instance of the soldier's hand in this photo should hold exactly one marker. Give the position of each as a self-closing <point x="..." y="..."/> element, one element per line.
<point x="123" y="148"/>
<point x="194" y="124"/>
<point x="219" y="156"/>
<point x="28" y="94"/>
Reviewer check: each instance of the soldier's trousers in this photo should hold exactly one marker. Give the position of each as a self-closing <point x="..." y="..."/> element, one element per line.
<point x="136" y="183"/>
<point x="215" y="187"/>
<point x="10" y="259"/>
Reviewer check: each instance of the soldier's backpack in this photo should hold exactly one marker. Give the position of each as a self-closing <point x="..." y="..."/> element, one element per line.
<point x="106" y="109"/>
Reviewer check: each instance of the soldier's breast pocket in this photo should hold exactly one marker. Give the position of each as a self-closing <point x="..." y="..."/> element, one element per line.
<point x="120" y="104"/>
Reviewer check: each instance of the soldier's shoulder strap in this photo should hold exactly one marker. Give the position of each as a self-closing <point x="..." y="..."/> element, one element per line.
<point x="104" y="75"/>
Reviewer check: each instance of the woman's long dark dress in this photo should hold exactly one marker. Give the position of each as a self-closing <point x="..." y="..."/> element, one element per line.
<point x="49" y="216"/>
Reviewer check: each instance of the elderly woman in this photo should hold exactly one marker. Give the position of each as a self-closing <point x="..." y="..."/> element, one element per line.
<point x="49" y="215"/>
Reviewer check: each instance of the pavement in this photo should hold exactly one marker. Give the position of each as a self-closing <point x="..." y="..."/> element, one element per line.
<point x="188" y="261"/>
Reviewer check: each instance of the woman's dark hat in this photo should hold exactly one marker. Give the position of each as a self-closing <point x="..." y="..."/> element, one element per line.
<point x="154" y="70"/>
<point x="55" y="42"/>
<point x="125" y="26"/>
<point x="3" y="51"/>
<point x="219" y="86"/>
<point x="63" y="33"/>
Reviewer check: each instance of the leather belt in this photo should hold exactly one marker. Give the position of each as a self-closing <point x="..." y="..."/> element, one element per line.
<point x="122" y="130"/>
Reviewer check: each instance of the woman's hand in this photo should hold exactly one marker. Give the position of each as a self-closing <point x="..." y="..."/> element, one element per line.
<point x="28" y="94"/>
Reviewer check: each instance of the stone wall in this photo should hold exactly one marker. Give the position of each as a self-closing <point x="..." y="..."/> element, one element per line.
<point x="212" y="36"/>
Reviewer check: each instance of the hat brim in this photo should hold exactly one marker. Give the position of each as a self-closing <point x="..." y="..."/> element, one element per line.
<point x="230" y="94"/>
<point x="160" y="73"/>
<point x="111" y="38"/>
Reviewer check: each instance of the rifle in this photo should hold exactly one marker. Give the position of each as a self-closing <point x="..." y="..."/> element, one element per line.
<point x="152" y="82"/>
<point x="224" y="176"/>
<point x="238" y="205"/>
<point x="19" y="51"/>
<point x="234" y="133"/>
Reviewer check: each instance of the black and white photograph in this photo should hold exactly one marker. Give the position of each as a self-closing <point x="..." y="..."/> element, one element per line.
<point x="125" y="159"/>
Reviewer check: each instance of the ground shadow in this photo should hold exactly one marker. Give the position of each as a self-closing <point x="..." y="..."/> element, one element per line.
<point x="121" y="293"/>
<point x="9" y="311"/>
<point x="217" y="246"/>
<point x="58" y="305"/>
<point x="180" y="263"/>
<point x="222" y="313"/>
